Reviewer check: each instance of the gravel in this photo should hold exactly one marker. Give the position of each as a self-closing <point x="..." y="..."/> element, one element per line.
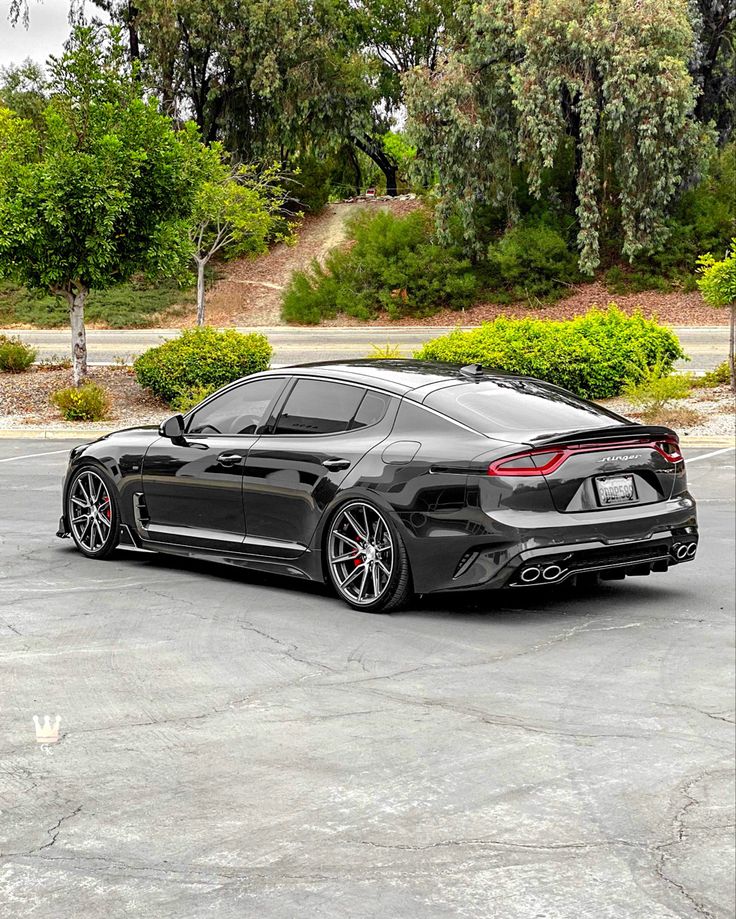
<point x="25" y="399"/>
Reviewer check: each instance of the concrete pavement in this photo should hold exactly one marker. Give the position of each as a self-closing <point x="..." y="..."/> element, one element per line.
<point x="707" y="346"/>
<point x="235" y="745"/>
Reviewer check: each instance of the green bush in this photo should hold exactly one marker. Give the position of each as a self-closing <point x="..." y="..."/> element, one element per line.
<point x="311" y="185"/>
<point x="595" y="355"/>
<point x="718" y="376"/>
<point x="393" y="265"/>
<point x="201" y="357"/>
<point x="191" y="397"/>
<point x="532" y="261"/>
<point x="14" y="355"/>
<point x="656" y="389"/>
<point x="88" y="402"/>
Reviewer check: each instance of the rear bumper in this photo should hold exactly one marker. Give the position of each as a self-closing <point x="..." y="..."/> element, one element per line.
<point x="562" y="545"/>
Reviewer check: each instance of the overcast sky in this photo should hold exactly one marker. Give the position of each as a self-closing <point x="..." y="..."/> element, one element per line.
<point x="46" y="34"/>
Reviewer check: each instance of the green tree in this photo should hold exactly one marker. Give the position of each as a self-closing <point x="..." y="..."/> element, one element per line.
<point x="237" y="210"/>
<point x="100" y="192"/>
<point x="717" y="283"/>
<point x="527" y="82"/>
<point x="23" y="89"/>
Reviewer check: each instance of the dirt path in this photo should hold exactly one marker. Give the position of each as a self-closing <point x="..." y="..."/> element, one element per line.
<point x="250" y="292"/>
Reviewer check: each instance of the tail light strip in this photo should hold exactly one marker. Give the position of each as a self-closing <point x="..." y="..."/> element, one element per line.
<point x="548" y="459"/>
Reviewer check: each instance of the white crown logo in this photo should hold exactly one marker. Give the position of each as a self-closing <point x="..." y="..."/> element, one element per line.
<point x="47" y="732"/>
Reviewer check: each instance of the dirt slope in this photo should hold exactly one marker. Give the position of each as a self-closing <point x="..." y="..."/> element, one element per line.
<point x="249" y="294"/>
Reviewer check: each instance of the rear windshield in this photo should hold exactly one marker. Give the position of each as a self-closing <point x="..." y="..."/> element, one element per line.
<point x="514" y="405"/>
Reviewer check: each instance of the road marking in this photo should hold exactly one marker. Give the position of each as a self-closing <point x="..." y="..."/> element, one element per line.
<point x="708" y="455"/>
<point x="10" y="459"/>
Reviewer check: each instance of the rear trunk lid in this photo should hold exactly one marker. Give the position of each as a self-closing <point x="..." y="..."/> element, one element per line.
<point x="612" y="467"/>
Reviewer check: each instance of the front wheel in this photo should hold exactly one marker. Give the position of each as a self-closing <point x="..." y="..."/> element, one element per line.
<point x="367" y="559"/>
<point x="92" y="512"/>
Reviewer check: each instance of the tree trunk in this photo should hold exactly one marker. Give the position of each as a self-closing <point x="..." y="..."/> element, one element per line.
<point x="389" y="170"/>
<point x="201" y="264"/>
<point x="79" y="335"/>
<point x="385" y="163"/>
<point x="731" y="337"/>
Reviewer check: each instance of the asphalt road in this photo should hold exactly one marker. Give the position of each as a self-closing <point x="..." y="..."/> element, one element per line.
<point x="706" y="346"/>
<point x="240" y="746"/>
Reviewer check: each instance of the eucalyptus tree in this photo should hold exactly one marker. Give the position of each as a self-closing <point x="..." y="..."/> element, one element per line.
<point x="526" y="81"/>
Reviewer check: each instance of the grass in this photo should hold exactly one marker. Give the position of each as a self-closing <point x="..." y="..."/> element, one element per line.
<point x="132" y="305"/>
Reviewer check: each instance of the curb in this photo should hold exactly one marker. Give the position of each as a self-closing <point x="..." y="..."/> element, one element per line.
<point x="69" y="433"/>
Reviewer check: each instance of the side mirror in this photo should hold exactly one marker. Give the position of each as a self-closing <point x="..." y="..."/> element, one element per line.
<point x="173" y="427"/>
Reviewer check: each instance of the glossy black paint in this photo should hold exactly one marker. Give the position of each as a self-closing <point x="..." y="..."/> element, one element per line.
<point x="263" y="499"/>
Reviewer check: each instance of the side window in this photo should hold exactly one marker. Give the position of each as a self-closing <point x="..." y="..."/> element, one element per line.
<point x="319" y="407"/>
<point x="238" y="411"/>
<point x="371" y="410"/>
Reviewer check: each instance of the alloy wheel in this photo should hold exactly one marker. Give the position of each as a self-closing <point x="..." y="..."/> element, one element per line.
<point x="90" y="511"/>
<point x="361" y="553"/>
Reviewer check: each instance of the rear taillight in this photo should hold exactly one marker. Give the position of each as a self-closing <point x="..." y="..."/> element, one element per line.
<point x="669" y="448"/>
<point x="546" y="461"/>
<point x="536" y="462"/>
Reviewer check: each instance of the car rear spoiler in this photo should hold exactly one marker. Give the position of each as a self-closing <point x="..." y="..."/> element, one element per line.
<point x="616" y="432"/>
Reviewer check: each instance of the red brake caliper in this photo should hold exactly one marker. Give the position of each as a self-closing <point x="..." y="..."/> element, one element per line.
<point x="105" y="508"/>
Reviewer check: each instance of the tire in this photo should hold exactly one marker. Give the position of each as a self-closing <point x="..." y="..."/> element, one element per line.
<point x="95" y="534"/>
<point x="366" y="559"/>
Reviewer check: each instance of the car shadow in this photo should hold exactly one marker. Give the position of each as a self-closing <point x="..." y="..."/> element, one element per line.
<point x="509" y="604"/>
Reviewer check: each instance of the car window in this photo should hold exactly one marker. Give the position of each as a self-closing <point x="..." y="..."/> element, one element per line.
<point x="319" y="407"/>
<point x="371" y="410"/>
<point x="514" y="405"/>
<point x="237" y="411"/>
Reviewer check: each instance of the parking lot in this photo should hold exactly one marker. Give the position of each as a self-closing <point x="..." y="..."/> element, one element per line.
<point x="239" y="745"/>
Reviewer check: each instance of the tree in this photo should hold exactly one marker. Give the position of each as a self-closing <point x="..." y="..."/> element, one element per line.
<point x="23" y="89"/>
<point x="237" y="211"/>
<point x="529" y="82"/>
<point x="713" y="63"/>
<point x="717" y="283"/>
<point x="103" y="190"/>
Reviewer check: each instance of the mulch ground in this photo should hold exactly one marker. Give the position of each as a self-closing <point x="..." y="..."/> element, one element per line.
<point x="676" y="308"/>
<point x="25" y="397"/>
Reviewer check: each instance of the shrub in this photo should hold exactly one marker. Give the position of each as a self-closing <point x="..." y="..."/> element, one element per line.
<point x="594" y="355"/>
<point x="718" y="376"/>
<point x="88" y="402"/>
<point x="201" y="357"/>
<point x="191" y="397"/>
<point x="14" y="355"/>
<point x="393" y="265"/>
<point x="532" y="261"/>
<point x="655" y="390"/>
<point x="310" y="189"/>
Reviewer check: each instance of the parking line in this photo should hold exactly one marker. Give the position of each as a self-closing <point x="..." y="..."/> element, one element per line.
<point x="10" y="459"/>
<point x="708" y="455"/>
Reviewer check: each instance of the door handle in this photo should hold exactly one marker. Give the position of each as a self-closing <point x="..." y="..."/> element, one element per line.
<point x="229" y="459"/>
<point x="335" y="464"/>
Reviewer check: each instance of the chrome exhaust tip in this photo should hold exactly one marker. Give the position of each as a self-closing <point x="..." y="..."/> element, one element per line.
<point x="551" y="572"/>
<point x="692" y="549"/>
<point x="682" y="551"/>
<point x="529" y="575"/>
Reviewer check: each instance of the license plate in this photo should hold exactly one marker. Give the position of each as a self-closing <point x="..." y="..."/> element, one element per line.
<point x="618" y="489"/>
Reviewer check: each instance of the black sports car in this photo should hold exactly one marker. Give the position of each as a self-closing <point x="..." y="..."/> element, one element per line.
<point x="387" y="477"/>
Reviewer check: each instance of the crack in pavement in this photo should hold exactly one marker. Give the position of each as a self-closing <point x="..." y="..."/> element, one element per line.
<point x="56" y="829"/>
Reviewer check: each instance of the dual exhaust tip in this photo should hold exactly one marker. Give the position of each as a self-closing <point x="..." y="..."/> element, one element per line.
<point x="683" y="550"/>
<point x="548" y="573"/>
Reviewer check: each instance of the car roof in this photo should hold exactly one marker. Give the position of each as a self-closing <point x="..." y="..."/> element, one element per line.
<point x="394" y="374"/>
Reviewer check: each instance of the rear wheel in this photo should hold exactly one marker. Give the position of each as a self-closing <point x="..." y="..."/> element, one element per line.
<point x="367" y="559"/>
<point x="92" y="512"/>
